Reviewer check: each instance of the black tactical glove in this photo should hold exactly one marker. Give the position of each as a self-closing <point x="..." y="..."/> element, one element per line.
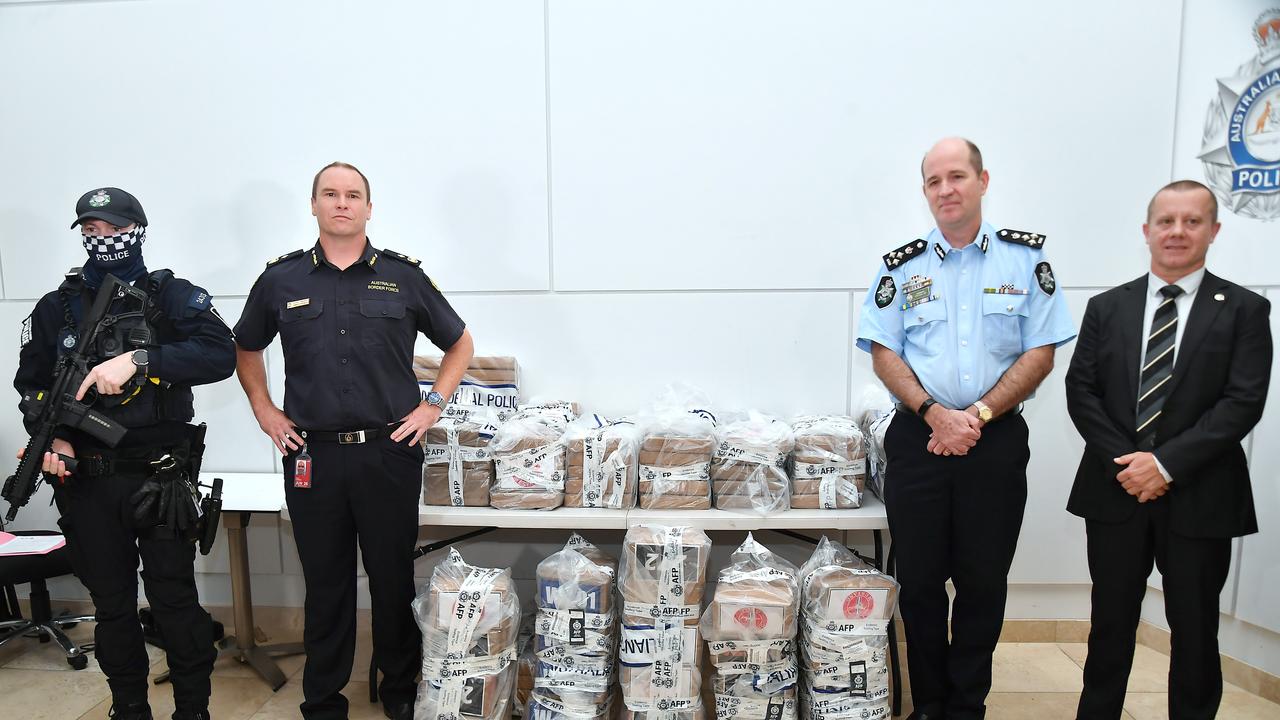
<point x="166" y="498"/>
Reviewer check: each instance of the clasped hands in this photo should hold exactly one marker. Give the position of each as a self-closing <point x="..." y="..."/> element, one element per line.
<point x="1141" y="476"/>
<point x="955" y="432"/>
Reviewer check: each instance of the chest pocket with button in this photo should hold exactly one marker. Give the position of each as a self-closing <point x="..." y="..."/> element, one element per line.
<point x="381" y="323"/>
<point x="925" y="327"/>
<point x="300" y="326"/>
<point x="1002" y="317"/>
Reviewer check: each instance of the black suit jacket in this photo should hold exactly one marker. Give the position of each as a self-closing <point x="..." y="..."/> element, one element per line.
<point x="1216" y="396"/>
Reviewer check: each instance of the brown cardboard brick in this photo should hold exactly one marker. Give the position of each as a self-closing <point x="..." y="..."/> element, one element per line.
<point x="525" y="500"/>
<point x="475" y="485"/>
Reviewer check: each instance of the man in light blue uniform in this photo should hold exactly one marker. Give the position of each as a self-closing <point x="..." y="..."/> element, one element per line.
<point x="961" y="327"/>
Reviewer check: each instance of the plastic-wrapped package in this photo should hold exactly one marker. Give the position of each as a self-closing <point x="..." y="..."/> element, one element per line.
<point x="600" y="461"/>
<point x="457" y="469"/>
<point x="528" y="458"/>
<point x="873" y="410"/>
<point x="576" y="634"/>
<point x="750" y="628"/>
<point x="556" y="413"/>
<point x="489" y="381"/>
<point x="829" y="467"/>
<point x="749" y="467"/>
<point x="662" y="581"/>
<point x="846" y="608"/>
<point x="527" y="663"/>
<point x="469" y="618"/>
<point x="675" y="461"/>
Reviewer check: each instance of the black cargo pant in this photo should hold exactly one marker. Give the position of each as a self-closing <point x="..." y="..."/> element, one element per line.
<point x="366" y="493"/>
<point x="958" y="519"/>
<point x="97" y="519"/>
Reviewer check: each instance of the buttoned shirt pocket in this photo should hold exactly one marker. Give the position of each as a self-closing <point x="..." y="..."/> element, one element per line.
<point x="925" y="325"/>
<point x="300" y="326"/>
<point x="1002" y="317"/>
<point x="382" y="321"/>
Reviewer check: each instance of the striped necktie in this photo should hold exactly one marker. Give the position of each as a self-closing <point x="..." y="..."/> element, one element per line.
<point x="1157" y="366"/>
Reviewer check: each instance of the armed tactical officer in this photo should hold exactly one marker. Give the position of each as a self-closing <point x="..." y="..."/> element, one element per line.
<point x="137" y="499"/>
<point x="348" y="315"/>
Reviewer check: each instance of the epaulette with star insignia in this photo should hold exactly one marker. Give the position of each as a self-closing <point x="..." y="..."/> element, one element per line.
<point x="1020" y="237"/>
<point x="402" y="257"/>
<point x="286" y="256"/>
<point x="904" y="253"/>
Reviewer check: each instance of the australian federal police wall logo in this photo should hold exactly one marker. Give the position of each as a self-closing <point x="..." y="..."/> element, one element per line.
<point x="1241" y="145"/>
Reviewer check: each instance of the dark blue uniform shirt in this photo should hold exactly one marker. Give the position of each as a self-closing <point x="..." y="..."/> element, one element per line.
<point x="347" y="335"/>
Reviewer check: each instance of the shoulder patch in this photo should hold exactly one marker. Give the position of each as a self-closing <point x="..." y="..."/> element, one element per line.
<point x="885" y="292"/>
<point x="904" y="253"/>
<point x="200" y="300"/>
<point x="286" y="256"/>
<point x="1045" y="279"/>
<point x="24" y="337"/>
<point x="1021" y="237"/>
<point x="402" y="257"/>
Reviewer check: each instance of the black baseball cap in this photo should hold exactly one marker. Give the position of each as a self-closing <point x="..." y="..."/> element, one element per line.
<point x="111" y="204"/>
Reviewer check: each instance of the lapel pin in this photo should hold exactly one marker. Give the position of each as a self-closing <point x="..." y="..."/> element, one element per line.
<point x="1219" y="297"/>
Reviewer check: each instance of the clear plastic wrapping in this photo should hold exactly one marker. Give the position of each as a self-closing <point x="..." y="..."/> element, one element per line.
<point x="845" y="611"/>
<point x="750" y="628"/>
<point x="675" y="461"/>
<point x="575" y="635"/>
<point x="749" y="466"/>
<point x="829" y="466"/>
<point x="873" y="409"/>
<point x="662" y="581"/>
<point x="600" y="461"/>
<point x="457" y="468"/>
<point x="528" y="458"/>
<point x="469" y="618"/>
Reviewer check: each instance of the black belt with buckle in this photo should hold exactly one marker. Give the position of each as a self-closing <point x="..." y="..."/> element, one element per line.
<point x="348" y="437"/>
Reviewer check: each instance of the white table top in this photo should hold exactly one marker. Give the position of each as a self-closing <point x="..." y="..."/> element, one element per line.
<point x="248" y="492"/>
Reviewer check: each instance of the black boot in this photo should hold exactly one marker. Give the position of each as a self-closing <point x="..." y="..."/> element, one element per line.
<point x="201" y="714"/>
<point x="130" y="711"/>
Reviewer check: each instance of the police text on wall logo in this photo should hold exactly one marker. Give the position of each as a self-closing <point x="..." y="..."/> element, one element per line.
<point x="1241" y="145"/>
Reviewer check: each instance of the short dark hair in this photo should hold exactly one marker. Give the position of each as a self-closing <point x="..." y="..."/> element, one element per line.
<point x="315" y="182"/>
<point x="975" y="158"/>
<point x="1186" y="186"/>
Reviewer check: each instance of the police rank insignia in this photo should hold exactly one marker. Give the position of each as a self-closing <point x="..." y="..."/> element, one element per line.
<point x="885" y="292"/>
<point x="99" y="199"/>
<point x="904" y="253"/>
<point x="1044" y="278"/>
<point x="917" y="291"/>
<point x="1020" y="237"/>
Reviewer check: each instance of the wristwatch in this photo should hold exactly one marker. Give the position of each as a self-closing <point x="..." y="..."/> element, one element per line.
<point x="140" y="360"/>
<point x="924" y="406"/>
<point x="984" y="412"/>
<point x="435" y="398"/>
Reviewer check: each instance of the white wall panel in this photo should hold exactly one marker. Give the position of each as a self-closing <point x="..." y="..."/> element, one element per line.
<point x="216" y="115"/>
<point x="234" y="441"/>
<point x="1259" y="567"/>
<point x="768" y="144"/>
<point x="1217" y="38"/>
<point x="780" y="352"/>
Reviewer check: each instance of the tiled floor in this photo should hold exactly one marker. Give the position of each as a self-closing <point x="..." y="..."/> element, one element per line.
<point x="1030" y="680"/>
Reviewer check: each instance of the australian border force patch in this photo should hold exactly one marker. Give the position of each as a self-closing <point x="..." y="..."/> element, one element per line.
<point x="885" y="291"/>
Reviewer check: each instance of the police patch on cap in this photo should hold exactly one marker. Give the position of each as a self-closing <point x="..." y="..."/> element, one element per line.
<point x="99" y="199"/>
<point x="885" y="292"/>
<point x="1044" y="278"/>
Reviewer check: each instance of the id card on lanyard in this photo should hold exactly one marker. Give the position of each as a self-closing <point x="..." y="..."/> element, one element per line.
<point x="302" y="466"/>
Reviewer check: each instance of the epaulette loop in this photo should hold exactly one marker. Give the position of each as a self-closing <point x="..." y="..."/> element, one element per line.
<point x="904" y="253"/>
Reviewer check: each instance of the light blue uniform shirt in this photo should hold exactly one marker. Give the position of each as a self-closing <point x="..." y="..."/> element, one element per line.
<point x="960" y="318"/>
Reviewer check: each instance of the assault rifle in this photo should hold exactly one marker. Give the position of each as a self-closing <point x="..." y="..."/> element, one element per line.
<point x="47" y="410"/>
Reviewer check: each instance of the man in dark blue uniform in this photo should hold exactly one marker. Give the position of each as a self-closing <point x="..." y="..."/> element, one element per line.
<point x="348" y="315"/>
<point x="143" y="373"/>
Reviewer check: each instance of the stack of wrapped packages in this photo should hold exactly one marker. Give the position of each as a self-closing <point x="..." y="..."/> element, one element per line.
<point x="528" y="457"/>
<point x="846" y="606"/>
<point x="576" y="635"/>
<point x="749" y="467"/>
<point x="675" y="461"/>
<point x="457" y="469"/>
<point x="492" y="382"/>
<point x="600" y="459"/>
<point x="750" y="628"/>
<point x="662" y="581"/>
<point x="829" y="469"/>
<point x="469" y="618"/>
<point x="526" y="667"/>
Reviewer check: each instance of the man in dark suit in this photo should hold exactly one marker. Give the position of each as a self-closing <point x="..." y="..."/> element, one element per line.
<point x="1170" y="373"/>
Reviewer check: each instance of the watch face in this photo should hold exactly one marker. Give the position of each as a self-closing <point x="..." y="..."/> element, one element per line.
<point x="435" y="398"/>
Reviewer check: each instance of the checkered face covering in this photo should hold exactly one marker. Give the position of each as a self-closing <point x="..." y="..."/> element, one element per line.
<point x="114" y="250"/>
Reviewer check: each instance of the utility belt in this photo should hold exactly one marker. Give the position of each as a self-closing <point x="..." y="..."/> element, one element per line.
<point x="1017" y="410"/>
